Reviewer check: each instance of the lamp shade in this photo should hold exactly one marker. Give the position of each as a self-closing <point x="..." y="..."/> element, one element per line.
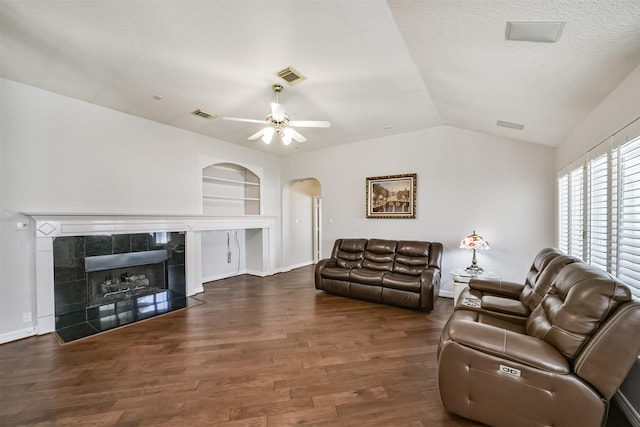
<point x="473" y="241"/>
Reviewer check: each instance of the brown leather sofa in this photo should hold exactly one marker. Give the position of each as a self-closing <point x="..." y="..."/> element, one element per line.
<point x="560" y="367"/>
<point x="515" y="301"/>
<point x="402" y="273"/>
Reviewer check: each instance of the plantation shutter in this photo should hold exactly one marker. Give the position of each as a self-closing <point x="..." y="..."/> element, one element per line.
<point x="563" y="213"/>
<point x="576" y="212"/>
<point x="599" y="203"/>
<point x="599" y="206"/>
<point x="628" y="256"/>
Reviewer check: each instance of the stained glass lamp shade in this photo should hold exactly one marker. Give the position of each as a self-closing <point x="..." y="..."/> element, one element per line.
<point x="474" y="242"/>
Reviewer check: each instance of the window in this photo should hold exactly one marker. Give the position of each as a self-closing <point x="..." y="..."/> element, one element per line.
<point x="628" y="268"/>
<point x="599" y="207"/>
<point x="576" y="217"/>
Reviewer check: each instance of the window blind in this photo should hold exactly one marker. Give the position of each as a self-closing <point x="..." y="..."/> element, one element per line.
<point x="576" y="212"/>
<point x="628" y="268"/>
<point x="563" y="213"/>
<point x="598" y="228"/>
<point x="599" y="207"/>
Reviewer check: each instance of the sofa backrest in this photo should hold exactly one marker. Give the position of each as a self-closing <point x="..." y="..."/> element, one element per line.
<point x="349" y="253"/>
<point x="607" y="358"/>
<point x="412" y="257"/>
<point x="533" y="292"/>
<point x="435" y="255"/>
<point x="541" y="260"/>
<point x="579" y="301"/>
<point x="379" y="254"/>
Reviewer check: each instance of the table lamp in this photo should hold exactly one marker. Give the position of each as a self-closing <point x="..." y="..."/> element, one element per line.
<point x="474" y="242"/>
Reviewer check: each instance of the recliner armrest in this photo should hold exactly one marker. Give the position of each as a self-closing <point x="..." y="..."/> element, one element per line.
<point x="509" y="345"/>
<point x="497" y="286"/>
<point x="429" y="287"/>
<point x="321" y="265"/>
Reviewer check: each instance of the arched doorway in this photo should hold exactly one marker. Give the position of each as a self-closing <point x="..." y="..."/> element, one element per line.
<point x="302" y="219"/>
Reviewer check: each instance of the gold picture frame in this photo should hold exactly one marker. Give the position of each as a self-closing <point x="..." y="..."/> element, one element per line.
<point x="392" y="196"/>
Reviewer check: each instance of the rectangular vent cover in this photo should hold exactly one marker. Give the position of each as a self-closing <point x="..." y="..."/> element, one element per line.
<point x="510" y="125"/>
<point x="291" y="76"/>
<point x="204" y="114"/>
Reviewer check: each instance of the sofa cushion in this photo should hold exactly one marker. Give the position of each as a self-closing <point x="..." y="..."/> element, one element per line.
<point x="534" y="291"/>
<point x="581" y="298"/>
<point x="351" y="253"/>
<point x="400" y="298"/>
<point x="366" y="292"/>
<point x="401" y="282"/>
<point x="336" y="273"/>
<point x="504" y="305"/>
<point x="379" y="255"/>
<point x="366" y="276"/>
<point x="411" y="257"/>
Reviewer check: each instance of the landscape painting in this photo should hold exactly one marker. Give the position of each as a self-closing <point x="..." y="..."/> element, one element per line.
<point x="392" y="196"/>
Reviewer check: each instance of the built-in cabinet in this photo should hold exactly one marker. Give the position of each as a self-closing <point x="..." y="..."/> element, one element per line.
<point x="229" y="189"/>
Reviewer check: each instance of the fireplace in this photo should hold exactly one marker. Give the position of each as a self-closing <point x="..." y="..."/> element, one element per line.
<point x="102" y="282"/>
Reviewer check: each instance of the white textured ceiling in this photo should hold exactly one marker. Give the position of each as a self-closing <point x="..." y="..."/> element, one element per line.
<point x="374" y="68"/>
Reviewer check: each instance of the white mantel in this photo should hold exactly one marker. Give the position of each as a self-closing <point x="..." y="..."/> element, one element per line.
<point x="48" y="226"/>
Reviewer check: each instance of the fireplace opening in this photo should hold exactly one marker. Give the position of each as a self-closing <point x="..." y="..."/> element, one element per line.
<point x="113" y="278"/>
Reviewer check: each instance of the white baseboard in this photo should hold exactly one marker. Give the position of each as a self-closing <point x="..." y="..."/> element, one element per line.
<point x="17" y="335"/>
<point x="294" y="266"/>
<point x="629" y="411"/>
<point x="257" y="273"/>
<point x="222" y="276"/>
<point x="446" y="293"/>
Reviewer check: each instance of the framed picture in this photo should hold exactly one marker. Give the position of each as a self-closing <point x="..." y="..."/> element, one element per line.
<point x="392" y="196"/>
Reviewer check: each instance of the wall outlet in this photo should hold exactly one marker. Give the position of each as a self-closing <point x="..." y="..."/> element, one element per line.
<point x="22" y="225"/>
<point x="27" y="317"/>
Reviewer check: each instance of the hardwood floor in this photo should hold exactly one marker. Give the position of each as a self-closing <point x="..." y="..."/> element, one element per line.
<point x="258" y="352"/>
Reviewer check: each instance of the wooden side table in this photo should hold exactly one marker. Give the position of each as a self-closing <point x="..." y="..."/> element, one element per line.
<point x="461" y="278"/>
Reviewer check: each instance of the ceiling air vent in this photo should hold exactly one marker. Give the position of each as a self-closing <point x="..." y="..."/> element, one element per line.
<point x="547" y="31"/>
<point x="204" y="114"/>
<point x="510" y="125"/>
<point x="291" y="76"/>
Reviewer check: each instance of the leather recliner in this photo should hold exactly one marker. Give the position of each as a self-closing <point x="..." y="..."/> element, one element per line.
<point x="515" y="301"/>
<point x="560" y="368"/>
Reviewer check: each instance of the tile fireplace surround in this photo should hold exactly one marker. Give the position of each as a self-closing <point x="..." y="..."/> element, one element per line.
<point x="117" y="234"/>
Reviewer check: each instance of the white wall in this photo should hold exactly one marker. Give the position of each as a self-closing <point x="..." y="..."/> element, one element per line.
<point x="618" y="109"/>
<point x="504" y="189"/>
<point x="61" y="155"/>
<point x="216" y="247"/>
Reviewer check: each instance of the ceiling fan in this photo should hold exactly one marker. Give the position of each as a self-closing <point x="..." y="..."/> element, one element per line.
<point x="278" y="123"/>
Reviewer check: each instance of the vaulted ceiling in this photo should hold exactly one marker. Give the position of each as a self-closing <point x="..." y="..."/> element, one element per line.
<point x="373" y="67"/>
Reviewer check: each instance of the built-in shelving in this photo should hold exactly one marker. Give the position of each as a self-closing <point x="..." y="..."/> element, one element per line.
<point x="230" y="189"/>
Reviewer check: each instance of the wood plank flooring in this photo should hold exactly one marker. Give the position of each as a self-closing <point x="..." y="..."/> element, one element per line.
<point x="258" y="352"/>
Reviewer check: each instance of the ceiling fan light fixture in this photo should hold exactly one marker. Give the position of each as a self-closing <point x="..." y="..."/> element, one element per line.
<point x="278" y="122"/>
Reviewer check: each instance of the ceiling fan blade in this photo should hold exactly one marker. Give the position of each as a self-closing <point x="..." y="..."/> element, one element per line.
<point x="310" y="123"/>
<point x="295" y="135"/>
<point x="256" y="135"/>
<point x="236" y="119"/>
<point x="277" y="111"/>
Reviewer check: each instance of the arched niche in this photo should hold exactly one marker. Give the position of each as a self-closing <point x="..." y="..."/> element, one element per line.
<point x="230" y="189"/>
